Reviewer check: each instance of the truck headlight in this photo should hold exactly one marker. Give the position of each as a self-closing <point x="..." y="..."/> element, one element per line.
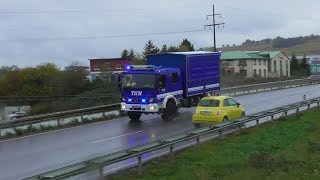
<point x="123" y="107"/>
<point x="123" y="99"/>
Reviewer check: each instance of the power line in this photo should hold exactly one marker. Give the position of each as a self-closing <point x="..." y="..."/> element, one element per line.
<point x="103" y="37"/>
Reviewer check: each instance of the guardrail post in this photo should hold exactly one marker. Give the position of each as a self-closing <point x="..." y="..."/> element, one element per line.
<point x="58" y="122"/>
<point x="257" y="122"/>
<point x="271" y="117"/>
<point x="139" y="165"/>
<point x="297" y="111"/>
<point x="308" y="106"/>
<point x="171" y="154"/>
<point x="81" y="118"/>
<point x="318" y="103"/>
<point x="198" y="143"/>
<point x="240" y="129"/>
<point x="101" y="175"/>
<point x="285" y="113"/>
<point x="220" y="135"/>
<point x="104" y="114"/>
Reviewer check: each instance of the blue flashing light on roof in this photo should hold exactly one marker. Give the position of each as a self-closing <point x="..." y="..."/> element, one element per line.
<point x="128" y="67"/>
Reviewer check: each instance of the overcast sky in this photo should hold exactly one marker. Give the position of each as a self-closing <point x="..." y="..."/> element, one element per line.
<point x="63" y="31"/>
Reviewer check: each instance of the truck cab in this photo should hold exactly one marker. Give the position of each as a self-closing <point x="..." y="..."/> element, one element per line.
<point x="147" y="89"/>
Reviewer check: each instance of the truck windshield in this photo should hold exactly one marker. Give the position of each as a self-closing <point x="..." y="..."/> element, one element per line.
<point x="139" y="81"/>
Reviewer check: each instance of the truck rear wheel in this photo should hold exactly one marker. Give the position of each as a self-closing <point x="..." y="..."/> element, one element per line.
<point x="169" y="111"/>
<point x="135" y="116"/>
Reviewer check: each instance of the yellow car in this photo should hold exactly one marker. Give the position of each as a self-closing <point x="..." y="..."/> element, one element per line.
<point x="215" y="109"/>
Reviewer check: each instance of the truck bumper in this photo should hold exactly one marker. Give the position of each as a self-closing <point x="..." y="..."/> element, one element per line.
<point x="144" y="108"/>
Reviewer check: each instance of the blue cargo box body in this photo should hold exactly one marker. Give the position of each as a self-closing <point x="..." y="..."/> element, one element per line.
<point x="200" y="70"/>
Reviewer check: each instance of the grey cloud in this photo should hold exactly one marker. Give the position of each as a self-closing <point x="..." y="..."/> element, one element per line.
<point x="245" y="19"/>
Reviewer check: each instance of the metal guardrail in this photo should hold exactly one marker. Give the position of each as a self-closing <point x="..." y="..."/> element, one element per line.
<point x="57" y="115"/>
<point x="137" y="152"/>
<point x="232" y="91"/>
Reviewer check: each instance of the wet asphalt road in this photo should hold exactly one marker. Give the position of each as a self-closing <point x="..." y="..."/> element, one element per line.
<point x="31" y="155"/>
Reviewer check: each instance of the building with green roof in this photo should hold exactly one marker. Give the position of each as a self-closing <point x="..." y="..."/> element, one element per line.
<point x="256" y="63"/>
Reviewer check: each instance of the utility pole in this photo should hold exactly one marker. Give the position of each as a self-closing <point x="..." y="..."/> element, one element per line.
<point x="214" y="25"/>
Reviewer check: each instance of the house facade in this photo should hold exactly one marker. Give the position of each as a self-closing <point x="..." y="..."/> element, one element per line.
<point x="256" y="63"/>
<point x="107" y="69"/>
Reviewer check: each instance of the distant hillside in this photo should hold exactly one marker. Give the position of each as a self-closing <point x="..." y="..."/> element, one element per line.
<point x="299" y="45"/>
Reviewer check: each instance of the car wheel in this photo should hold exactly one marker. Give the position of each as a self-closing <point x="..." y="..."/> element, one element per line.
<point x="225" y="119"/>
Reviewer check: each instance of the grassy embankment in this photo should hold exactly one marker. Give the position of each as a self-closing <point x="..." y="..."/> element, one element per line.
<point x="309" y="47"/>
<point x="283" y="149"/>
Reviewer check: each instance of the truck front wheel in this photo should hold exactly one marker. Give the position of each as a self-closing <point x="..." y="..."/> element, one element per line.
<point x="170" y="110"/>
<point x="135" y="116"/>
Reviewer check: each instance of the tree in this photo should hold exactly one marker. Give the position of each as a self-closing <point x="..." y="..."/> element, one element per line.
<point x="125" y="54"/>
<point x="294" y="65"/>
<point x="164" y="49"/>
<point x="150" y="48"/>
<point x="173" y="49"/>
<point x="305" y="66"/>
<point x="131" y="54"/>
<point x="186" y="46"/>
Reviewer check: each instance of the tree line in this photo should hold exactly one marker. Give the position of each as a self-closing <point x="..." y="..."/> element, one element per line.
<point x="151" y="48"/>
<point x="280" y="42"/>
<point x="47" y="88"/>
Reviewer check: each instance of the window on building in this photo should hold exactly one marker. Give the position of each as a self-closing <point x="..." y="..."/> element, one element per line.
<point x="255" y="72"/>
<point x="174" y="77"/>
<point x="96" y="68"/>
<point x="254" y="62"/>
<point x="260" y="74"/>
<point x="281" y="70"/>
<point x="287" y="68"/>
<point x="265" y="73"/>
<point x="275" y="66"/>
<point x="259" y="62"/>
<point x="119" y="66"/>
<point x="264" y="62"/>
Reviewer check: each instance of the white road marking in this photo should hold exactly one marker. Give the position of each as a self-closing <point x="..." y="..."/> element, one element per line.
<point x="58" y="130"/>
<point x="107" y="139"/>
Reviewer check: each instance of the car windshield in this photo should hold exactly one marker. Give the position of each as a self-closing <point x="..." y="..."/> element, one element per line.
<point x="139" y="81"/>
<point x="209" y="103"/>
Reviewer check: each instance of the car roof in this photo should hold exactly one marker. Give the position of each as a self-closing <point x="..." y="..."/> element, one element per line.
<point x="216" y="98"/>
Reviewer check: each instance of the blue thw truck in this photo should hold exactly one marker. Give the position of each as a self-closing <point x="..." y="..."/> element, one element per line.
<point x="169" y="81"/>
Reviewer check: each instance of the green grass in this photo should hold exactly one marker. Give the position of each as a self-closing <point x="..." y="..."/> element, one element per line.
<point x="283" y="149"/>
